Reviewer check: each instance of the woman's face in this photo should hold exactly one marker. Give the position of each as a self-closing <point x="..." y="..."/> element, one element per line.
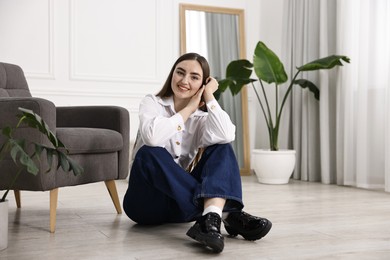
<point x="187" y="79"/>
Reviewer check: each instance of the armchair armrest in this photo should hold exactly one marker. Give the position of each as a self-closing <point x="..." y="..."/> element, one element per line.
<point x="9" y="109"/>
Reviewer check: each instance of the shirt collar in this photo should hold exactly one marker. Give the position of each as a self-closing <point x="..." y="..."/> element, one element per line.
<point x="168" y="102"/>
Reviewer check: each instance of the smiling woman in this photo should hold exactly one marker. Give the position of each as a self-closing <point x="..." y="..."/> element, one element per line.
<point x="162" y="186"/>
<point x="211" y="31"/>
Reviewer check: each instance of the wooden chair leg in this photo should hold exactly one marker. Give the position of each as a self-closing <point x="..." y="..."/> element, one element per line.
<point x="17" y="198"/>
<point x="111" y="187"/>
<point x="53" y="209"/>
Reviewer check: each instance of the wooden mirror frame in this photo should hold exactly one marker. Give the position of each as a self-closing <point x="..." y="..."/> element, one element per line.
<point x="245" y="170"/>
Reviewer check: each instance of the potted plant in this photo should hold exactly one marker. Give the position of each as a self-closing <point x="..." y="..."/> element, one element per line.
<point x="268" y="68"/>
<point x="25" y="155"/>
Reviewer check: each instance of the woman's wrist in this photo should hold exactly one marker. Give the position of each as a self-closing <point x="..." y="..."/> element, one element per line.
<point x="208" y="96"/>
<point x="186" y="112"/>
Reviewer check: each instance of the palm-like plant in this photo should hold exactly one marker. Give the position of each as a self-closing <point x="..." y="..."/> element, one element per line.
<point x="268" y="68"/>
<point x="18" y="149"/>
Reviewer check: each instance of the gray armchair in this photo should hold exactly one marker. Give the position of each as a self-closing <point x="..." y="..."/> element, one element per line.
<point x="97" y="137"/>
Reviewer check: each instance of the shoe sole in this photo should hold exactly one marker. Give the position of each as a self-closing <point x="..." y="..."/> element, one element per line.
<point x="249" y="235"/>
<point x="216" y="245"/>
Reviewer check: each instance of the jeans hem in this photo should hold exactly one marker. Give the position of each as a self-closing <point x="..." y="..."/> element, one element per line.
<point x="227" y="197"/>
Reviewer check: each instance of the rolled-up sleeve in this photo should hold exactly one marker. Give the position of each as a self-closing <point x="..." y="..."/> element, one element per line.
<point x="218" y="127"/>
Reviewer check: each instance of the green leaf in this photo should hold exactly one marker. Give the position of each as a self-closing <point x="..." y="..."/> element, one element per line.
<point x="77" y="169"/>
<point x="49" y="156"/>
<point x="239" y="69"/>
<point x="325" y="63"/>
<point x="224" y="84"/>
<point x="63" y="162"/>
<point x="38" y="151"/>
<point x="310" y="85"/>
<point x="18" y="151"/>
<point x="267" y="65"/>
<point x="34" y="120"/>
<point x="29" y="163"/>
<point x="217" y="94"/>
<point x="238" y="74"/>
<point x="7" y="131"/>
<point x="236" y="88"/>
<point x="4" y="149"/>
<point x="16" y="147"/>
<point x="68" y="164"/>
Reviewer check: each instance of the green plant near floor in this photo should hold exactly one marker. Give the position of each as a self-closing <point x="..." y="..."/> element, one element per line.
<point x="18" y="149"/>
<point x="268" y="68"/>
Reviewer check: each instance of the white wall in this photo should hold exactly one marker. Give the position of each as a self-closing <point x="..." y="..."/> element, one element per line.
<point x="111" y="52"/>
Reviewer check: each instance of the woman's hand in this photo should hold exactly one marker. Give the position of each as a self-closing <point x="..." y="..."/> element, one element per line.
<point x="193" y="104"/>
<point x="196" y="100"/>
<point x="209" y="89"/>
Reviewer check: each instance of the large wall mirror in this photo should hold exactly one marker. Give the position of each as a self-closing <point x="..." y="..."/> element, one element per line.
<point x="218" y="35"/>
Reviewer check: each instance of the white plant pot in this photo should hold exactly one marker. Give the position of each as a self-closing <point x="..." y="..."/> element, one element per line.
<point x="3" y="225"/>
<point x="273" y="167"/>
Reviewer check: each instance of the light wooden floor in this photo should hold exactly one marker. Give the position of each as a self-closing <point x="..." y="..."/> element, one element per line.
<point x="310" y="221"/>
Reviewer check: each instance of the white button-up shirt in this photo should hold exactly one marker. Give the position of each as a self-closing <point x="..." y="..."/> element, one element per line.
<point x="161" y="125"/>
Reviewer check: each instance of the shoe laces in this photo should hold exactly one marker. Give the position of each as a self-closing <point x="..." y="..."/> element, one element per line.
<point x="245" y="218"/>
<point x="213" y="221"/>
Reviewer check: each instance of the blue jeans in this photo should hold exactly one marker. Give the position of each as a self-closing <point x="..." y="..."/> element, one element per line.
<point x="160" y="191"/>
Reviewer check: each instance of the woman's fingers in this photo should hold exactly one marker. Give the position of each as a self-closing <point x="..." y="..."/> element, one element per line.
<point x="211" y="84"/>
<point x="196" y="99"/>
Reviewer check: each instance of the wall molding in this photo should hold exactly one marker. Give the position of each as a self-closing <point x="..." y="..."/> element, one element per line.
<point x="77" y="75"/>
<point x="50" y="73"/>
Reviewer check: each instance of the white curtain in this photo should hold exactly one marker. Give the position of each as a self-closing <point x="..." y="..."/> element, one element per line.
<point x="343" y="138"/>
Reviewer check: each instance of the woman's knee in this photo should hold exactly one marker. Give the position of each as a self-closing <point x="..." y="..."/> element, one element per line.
<point x="146" y="151"/>
<point x="222" y="149"/>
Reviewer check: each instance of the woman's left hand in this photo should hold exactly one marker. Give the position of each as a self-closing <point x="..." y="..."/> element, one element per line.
<point x="210" y="87"/>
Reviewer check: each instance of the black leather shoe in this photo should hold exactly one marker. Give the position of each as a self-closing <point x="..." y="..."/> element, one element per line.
<point x="246" y="225"/>
<point x="207" y="230"/>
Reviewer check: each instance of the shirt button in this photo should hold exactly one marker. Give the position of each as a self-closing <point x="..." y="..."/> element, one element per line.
<point x="177" y="142"/>
<point x="178" y="128"/>
<point x="212" y="107"/>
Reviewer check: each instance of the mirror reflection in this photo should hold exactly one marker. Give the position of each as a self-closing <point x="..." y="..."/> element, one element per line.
<point x="218" y="35"/>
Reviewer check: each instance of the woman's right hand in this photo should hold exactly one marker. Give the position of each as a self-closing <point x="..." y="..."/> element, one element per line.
<point x="194" y="103"/>
<point x="196" y="100"/>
